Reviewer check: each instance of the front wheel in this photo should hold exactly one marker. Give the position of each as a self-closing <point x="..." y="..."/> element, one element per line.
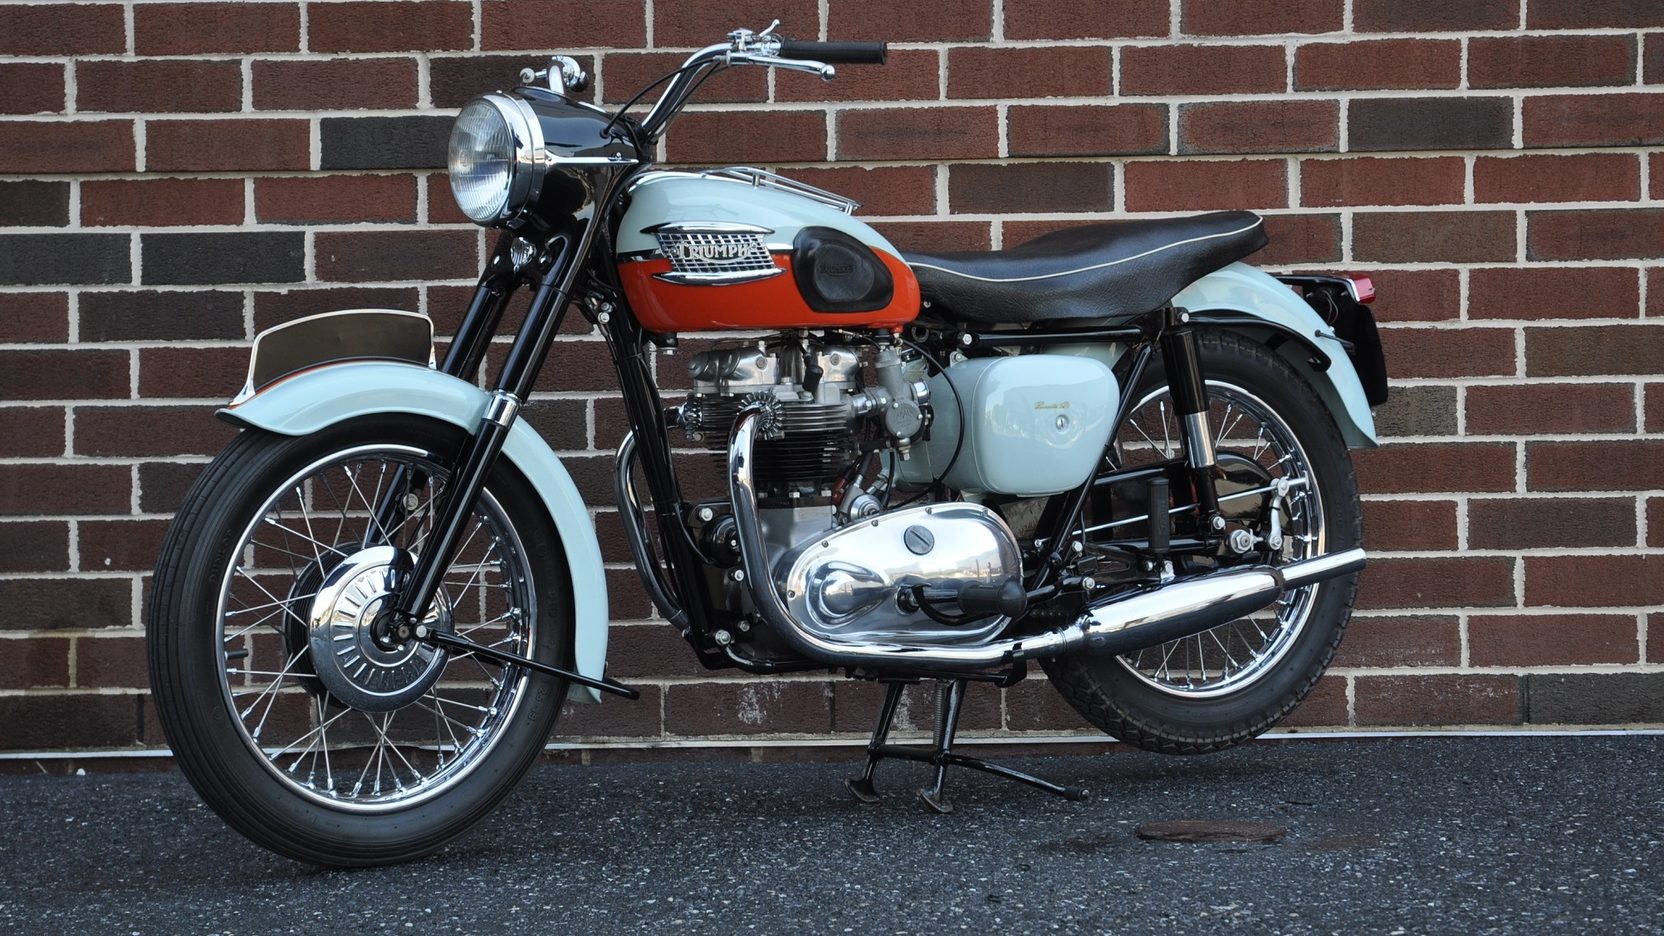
<point x="1224" y="686"/>
<point x="289" y="704"/>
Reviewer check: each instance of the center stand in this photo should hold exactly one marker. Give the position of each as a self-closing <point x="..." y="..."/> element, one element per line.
<point x="950" y="695"/>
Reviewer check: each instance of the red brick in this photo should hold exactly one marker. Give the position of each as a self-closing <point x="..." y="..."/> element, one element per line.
<point x="1434" y="236"/>
<point x="161" y="202"/>
<point x="1206" y="185"/>
<point x="1652" y="59"/>
<point x="145" y="315"/>
<point x="37" y="663"/>
<point x="1300" y="238"/>
<point x="906" y="133"/>
<point x="396" y="255"/>
<point x="571" y="365"/>
<point x="1655" y="537"/>
<point x="1401" y="640"/>
<point x="1453" y="582"/>
<point x="1595" y="234"/>
<point x="1028" y="188"/>
<point x="442" y="207"/>
<point x="1544" y="523"/>
<point x="336" y="199"/>
<point x="910" y="20"/>
<point x="1601" y="581"/>
<point x="1594" y="120"/>
<point x="275" y="308"/>
<point x="111" y="663"/>
<point x="1086" y="19"/>
<point x="1594" y="349"/>
<point x="855" y="708"/>
<point x="63" y="29"/>
<point x="1445" y="352"/>
<point x="1586" y="177"/>
<point x="697" y="23"/>
<point x="173" y="86"/>
<point x="542" y="25"/>
<point x="1409" y="525"/>
<point x="1393" y="124"/>
<point x="32" y="431"/>
<point x="1009" y="73"/>
<point x="726" y="137"/>
<point x="1550" y="61"/>
<point x="1438" y="700"/>
<point x="1416" y="295"/>
<point x="1382" y="63"/>
<point x="34" y="546"/>
<point x="1379" y="181"/>
<point x="69" y="722"/>
<point x="120" y="545"/>
<point x="227" y="145"/>
<point x="334" y="84"/>
<point x="1571" y="14"/>
<point x="1086" y="130"/>
<point x="613" y="718"/>
<point x="1544" y="409"/>
<point x="1430" y="467"/>
<point x="1655" y="292"/>
<point x="1259" y="17"/>
<point x="1325" y="706"/>
<point x="35" y="317"/>
<point x="1203" y="69"/>
<point x="31" y="88"/>
<point x="938" y="236"/>
<point x="195" y="28"/>
<point x="74" y="146"/>
<point x="130" y="431"/>
<point x="1417" y="411"/>
<point x="1434" y="15"/>
<point x="41" y="374"/>
<point x="1551" y="640"/>
<point x="64" y="489"/>
<point x="628" y="72"/>
<point x="886" y="190"/>
<point x="191" y="372"/>
<point x="390" y="26"/>
<point x="1653" y="404"/>
<point x="740" y="708"/>
<point x="1259" y="127"/>
<point x="1553" y="292"/>
<point x="909" y="75"/>
<point x="1629" y="465"/>
<point x="162" y="486"/>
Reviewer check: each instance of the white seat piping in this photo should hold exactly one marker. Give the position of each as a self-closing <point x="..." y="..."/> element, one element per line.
<point x="1096" y="266"/>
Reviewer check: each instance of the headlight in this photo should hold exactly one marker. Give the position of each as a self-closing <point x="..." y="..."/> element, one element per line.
<point x="496" y="159"/>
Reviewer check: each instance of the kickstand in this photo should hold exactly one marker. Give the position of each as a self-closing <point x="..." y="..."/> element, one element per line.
<point x="950" y="697"/>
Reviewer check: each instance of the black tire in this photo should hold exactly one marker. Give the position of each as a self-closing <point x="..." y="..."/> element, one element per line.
<point x="1112" y="697"/>
<point x="197" y="714"/>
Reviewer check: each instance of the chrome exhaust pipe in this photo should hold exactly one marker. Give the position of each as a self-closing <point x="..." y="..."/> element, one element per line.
<point x="1116" y="625"/>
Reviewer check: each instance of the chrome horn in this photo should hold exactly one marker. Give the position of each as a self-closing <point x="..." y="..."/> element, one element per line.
<point x="1115" y="625"/>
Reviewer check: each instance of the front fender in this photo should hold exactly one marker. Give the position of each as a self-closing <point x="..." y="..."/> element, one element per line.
<point x="1245" y="296"/>
<point x="320" y="397"/>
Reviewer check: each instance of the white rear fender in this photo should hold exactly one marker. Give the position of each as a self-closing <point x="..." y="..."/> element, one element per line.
<point x="310" y="400"/>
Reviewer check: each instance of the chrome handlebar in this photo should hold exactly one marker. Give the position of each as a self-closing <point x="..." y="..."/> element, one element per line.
<point x="743" y="47"/>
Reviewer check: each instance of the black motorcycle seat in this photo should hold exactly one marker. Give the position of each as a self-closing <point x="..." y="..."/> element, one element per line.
<point x="1093" y="271"/>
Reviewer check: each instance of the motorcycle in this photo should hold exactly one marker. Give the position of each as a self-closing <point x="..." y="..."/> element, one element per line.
<point x="1115" y="451"/>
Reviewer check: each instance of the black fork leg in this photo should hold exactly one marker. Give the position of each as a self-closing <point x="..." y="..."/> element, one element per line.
<point x="862" y="786"/>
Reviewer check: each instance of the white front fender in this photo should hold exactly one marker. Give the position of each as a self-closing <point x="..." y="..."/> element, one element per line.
<point x="320" y="397"/>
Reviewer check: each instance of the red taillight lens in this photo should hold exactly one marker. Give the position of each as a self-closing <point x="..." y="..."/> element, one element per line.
<point x="1363" y="288"/>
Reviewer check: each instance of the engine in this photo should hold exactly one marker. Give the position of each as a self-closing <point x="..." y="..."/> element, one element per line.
<point x="824" y="423"/>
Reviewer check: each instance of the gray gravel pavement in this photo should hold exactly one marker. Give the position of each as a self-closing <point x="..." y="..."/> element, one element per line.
<point x="1445" y="835"/>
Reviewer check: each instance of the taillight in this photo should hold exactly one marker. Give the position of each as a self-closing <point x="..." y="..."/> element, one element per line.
<point x="1361" y="287"/>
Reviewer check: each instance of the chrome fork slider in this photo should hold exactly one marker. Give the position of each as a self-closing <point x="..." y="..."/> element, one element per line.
<point x="1115" y="625"/>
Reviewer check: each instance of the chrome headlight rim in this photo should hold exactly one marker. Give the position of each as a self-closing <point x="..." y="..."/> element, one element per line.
<point x="530" y="159"/>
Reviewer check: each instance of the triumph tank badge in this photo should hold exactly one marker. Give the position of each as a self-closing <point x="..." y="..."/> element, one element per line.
<point x="918" y="539"/>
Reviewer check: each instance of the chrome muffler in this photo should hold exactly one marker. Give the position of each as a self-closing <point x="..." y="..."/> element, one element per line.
<point x="1115" y="625"/>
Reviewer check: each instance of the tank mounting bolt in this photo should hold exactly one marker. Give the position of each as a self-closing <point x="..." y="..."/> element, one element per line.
<point x="737" y="575"/>
<point x="967" y="339"/>
<point x="723" y="638"/>
<point x="1218" y="522"/>
<point x="706" y="513"/>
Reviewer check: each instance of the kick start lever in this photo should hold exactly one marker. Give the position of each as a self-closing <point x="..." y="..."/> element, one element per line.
<point x="453" y="642"/>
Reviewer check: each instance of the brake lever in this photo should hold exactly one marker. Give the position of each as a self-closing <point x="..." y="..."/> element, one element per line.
<point x="825" y="71"/>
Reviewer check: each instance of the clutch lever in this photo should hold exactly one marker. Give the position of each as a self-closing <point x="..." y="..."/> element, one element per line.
<point x="825" y="71"/>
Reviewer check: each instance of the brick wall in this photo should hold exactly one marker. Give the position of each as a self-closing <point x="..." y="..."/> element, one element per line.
<point x="175" y="177"/>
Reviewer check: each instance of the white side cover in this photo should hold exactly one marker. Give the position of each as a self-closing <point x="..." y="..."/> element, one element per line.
<point x="327" y="395"/>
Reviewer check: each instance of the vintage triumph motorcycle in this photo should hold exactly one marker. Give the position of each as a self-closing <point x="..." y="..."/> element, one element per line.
<point x="1114" y="451"/>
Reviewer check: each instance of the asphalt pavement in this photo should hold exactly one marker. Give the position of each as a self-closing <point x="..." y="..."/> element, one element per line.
<point x="1442" y="835"/>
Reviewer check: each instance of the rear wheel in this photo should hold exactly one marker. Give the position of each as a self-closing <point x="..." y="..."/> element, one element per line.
<point x="290" y="707"/>
<point x="1274" y="436"/>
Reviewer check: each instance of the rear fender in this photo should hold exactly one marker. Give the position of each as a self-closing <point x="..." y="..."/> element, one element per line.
<point x="310" y="400"/>
<point x="1243" y="298"/>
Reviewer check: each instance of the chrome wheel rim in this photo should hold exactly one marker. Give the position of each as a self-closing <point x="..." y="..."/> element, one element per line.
<point x="1231" y="656"/>
<point x="314" y="743"/>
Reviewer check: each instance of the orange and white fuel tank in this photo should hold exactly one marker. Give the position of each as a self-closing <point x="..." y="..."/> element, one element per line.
<point x="747" y="249"/>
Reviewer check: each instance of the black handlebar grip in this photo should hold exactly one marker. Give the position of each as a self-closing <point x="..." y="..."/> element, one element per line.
<point x="835" y="53"/>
